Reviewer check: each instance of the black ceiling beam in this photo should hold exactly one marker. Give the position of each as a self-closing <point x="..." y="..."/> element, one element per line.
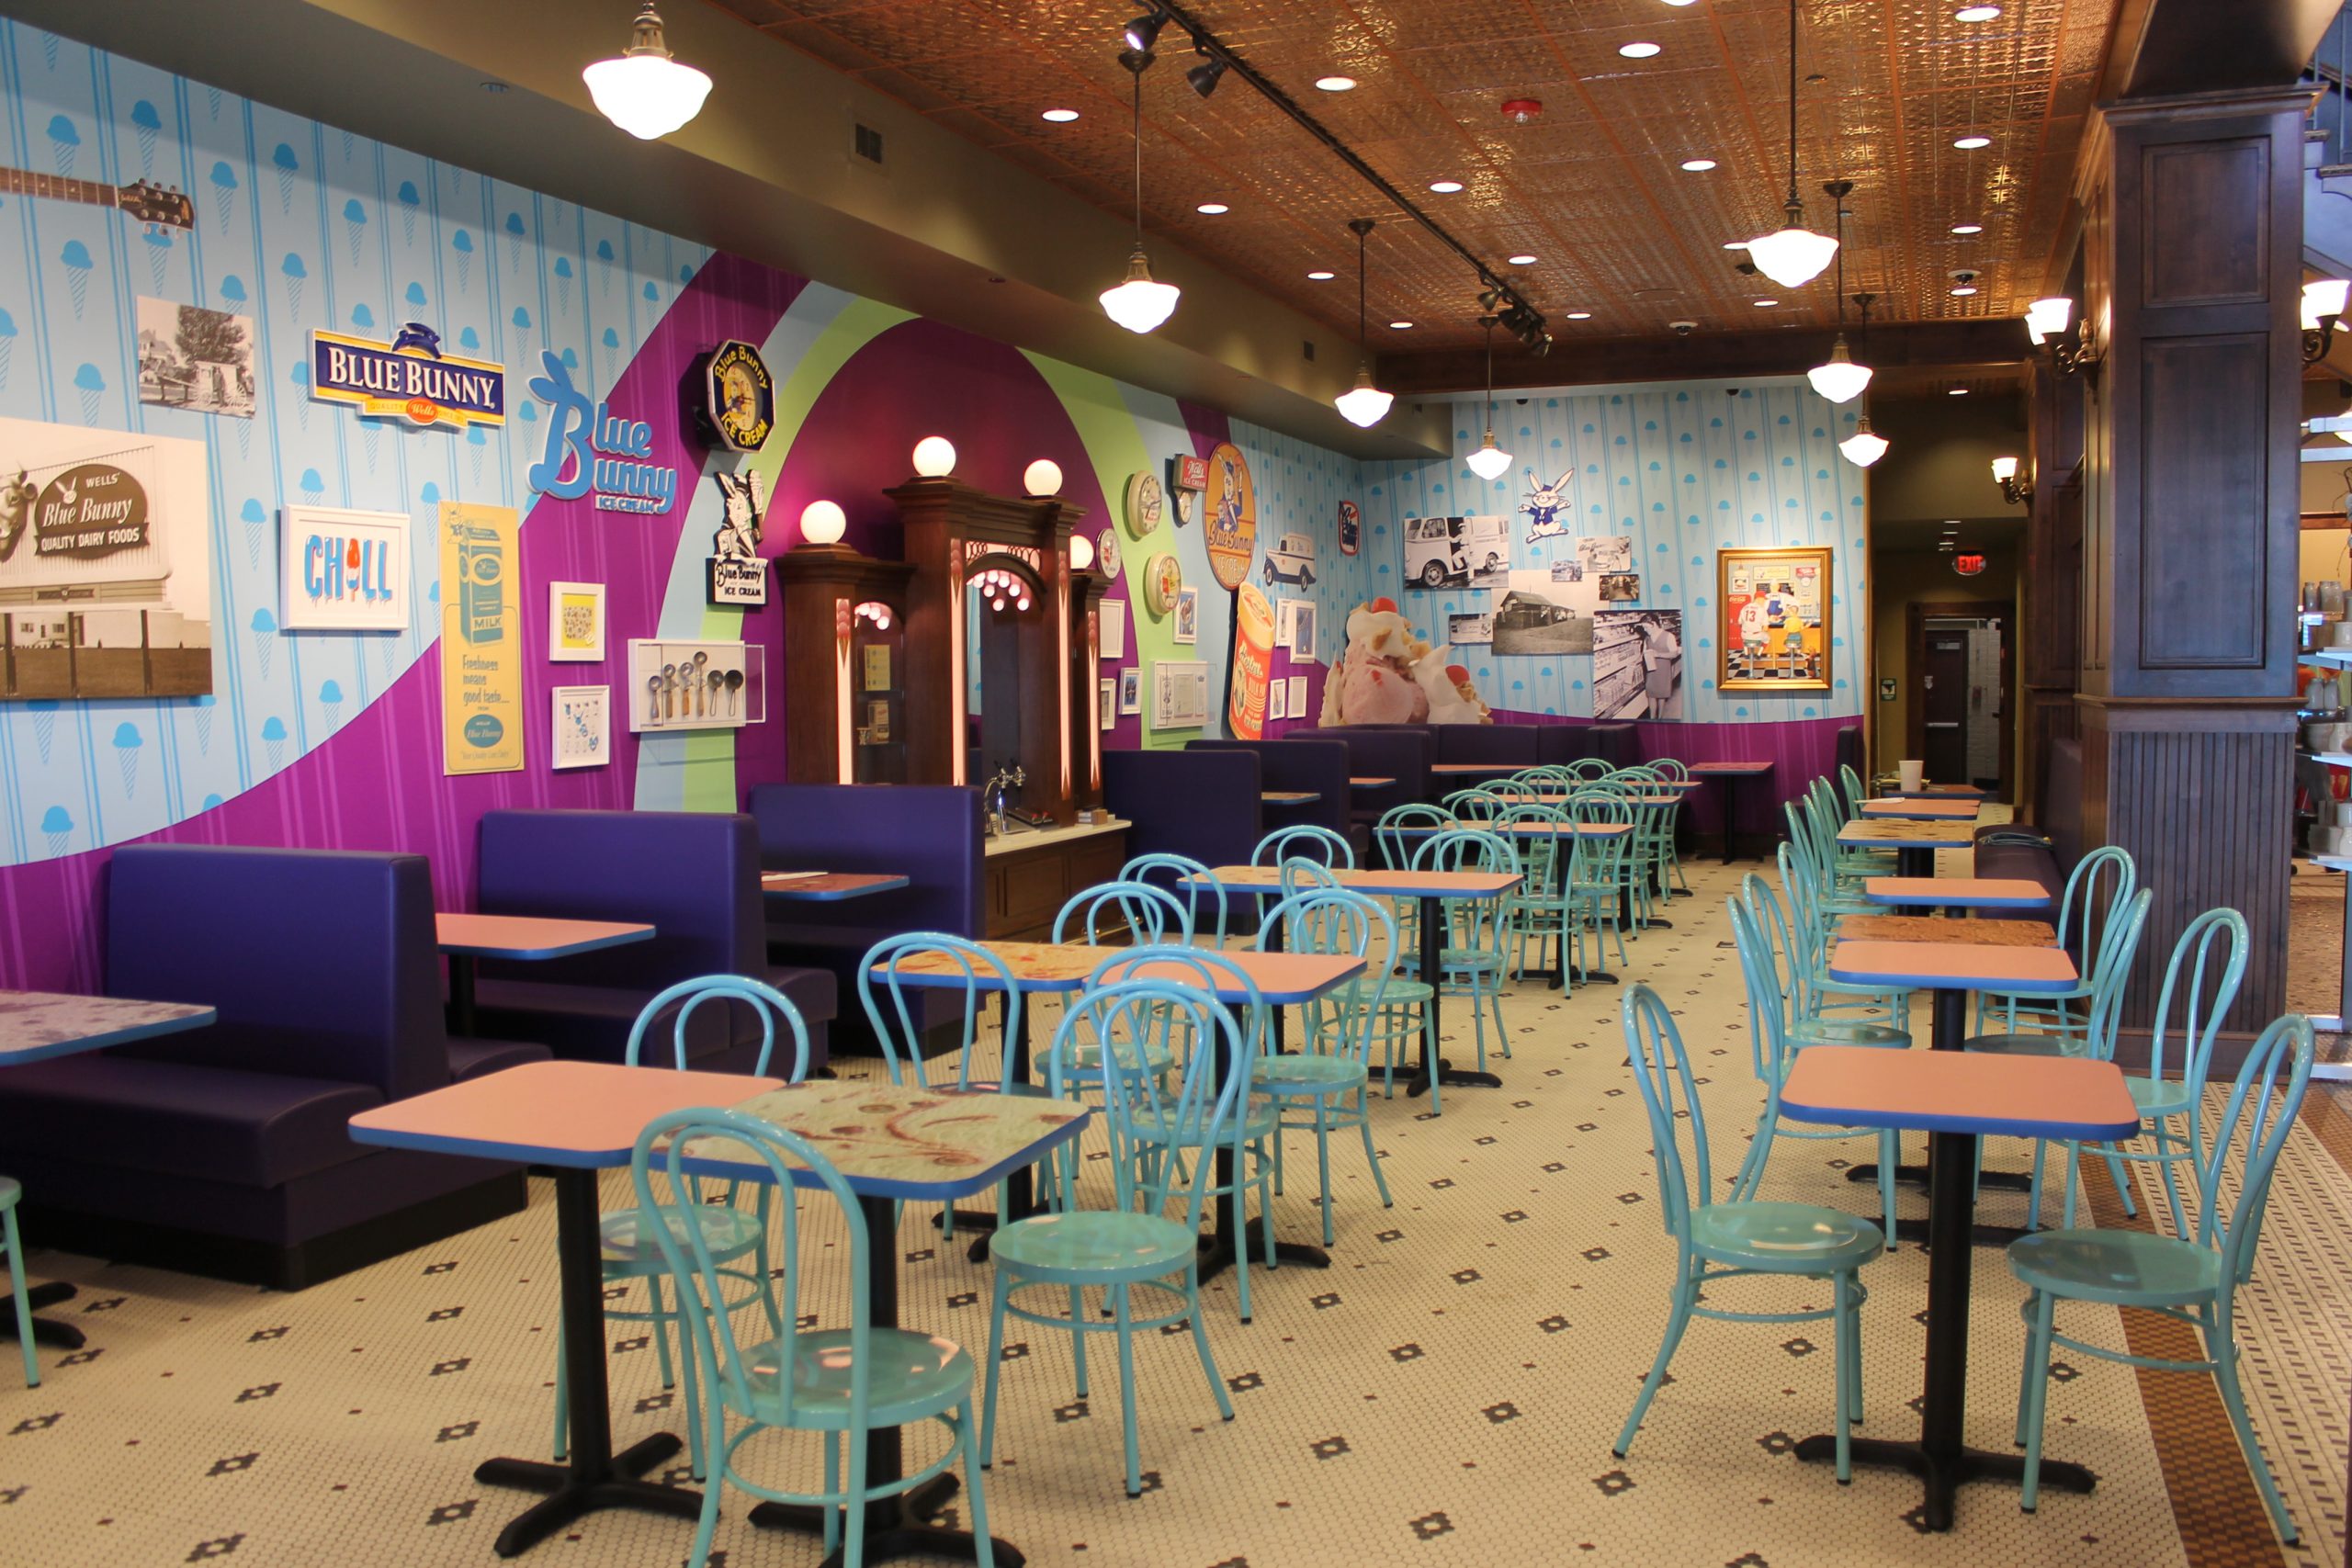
<point x="2165" y="47"/>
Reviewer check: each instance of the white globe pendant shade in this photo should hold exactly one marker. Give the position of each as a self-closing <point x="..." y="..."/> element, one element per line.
<point x="1081" y="552"/>
<point x="822" y="522"/>
<point x="1043" y="477"/>
<point x="1865" y="446"/>
<point x="1791" y="255"/>
<point x="1489" y="460"/>
<point x="1840" y="379"/>
<point x="1139" y="303"/>
<point x="2046" y="319"/>
<point x="934" y="457"/>
<point x="1363" y="404"/>
<point x="645" y="90"/>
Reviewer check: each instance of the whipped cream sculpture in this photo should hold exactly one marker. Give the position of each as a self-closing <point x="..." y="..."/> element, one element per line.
<point x="1390" y="675"/>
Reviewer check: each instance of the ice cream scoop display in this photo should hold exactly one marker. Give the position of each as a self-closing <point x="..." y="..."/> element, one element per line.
<point x="1389" y="674"/>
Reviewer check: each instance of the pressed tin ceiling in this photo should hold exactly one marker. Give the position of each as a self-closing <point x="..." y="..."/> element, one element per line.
<point x="1593" y="188"/>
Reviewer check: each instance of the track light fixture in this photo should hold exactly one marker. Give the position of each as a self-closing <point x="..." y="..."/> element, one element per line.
<point x="1144" y="31"/>
<point x="1204" y="76"/>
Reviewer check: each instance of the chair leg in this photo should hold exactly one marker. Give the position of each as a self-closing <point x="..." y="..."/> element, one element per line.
<point x="1429" y="1049"/>
<point x="2033" y="1200"/>
<point x="2222" y="1345"/>
<point x="1201" y="1341"/>
<point x="660" y="1340"/>
<point x="1842" y="1381"/>
<point x="983" y="1548"/>
<point x="1372" y="1155"/>
<point x="1323" y="1161"/>
<point x="1128" y="1388"/>
<point x="2073" y="1157"/>
<point x="996" y="1359"/>
<point x="2037" y="1399"/>
<point x="1759" y="1154"/>
<point x="853" y="1545"/>
<point x="2172" y="1189"/>
<point x="1685" y="1293"/>
<point x="1890" y="1156"/>
<point x="24" y="1307"/>
<point x="1502" y="1035"/>
<point x="2122" y="1183"/>
<point x="1078" y="1336"/>
<point x="1278" y="1155"/>
<point x="832" y="1489"/>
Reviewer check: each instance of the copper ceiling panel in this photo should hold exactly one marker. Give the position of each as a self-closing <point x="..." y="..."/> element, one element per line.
<point x="1593" y="188"/>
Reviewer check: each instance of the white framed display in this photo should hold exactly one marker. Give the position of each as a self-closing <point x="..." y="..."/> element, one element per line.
<point x="1112" y="637"/>
<point x="676" y="684"/>
<point x="342" y="570"/>
<point x="583" y="727"/>
<point x="1107" y="703"/>
<point x="576" y="623"/>
<point x="1179" y="694"/>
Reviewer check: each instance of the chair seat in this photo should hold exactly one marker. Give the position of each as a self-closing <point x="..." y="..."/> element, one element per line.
<point x="1783" y="1238"/>
<point x="1473" y="958"/>
<point x="2125" y="1268"/>
<point x="2159" y="1096"/>
<point x="908" y="1376"/>
<point x="10" y="1190"/>
<point x="1830" y="1032"/>
<point x="1257" y="1121"/>
<point x="2023" y="1044"/>
<point x="1154" y="1059"/>
<point x="629" y="1247"/>
<point x="1310" y="1073"/>
<point x="1094" y="1244"/>
<point x="1402" y="992"/>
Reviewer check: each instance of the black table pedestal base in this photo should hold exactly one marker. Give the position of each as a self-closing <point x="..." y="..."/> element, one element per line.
<point x="1450" y="1075"/>
<point x="570" y="1496"/>
<point x="895" y="1527"/>
<point x="1982" y="1233"/>
<point x="46" y="1331"/>
<point x="1944" y="1476"/>
<point x="1216" y="1255"/>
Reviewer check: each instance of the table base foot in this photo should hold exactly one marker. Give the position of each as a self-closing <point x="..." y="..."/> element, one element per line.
<point x="46" y="1331"/>
<point x="1598" y="977"/>
<point x="983" y="1220"/>
<point x="1916" y="1175"/>
<point x="1216" y="1256"/>
<point x="895" y="1527"/>
<point x="1450" y="1075"/>
<point x="1944" y="1474"/>
<point x="570" y="1496"/>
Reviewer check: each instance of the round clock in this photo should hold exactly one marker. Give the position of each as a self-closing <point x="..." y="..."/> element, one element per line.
<point x="1163" y="578"/>
<point x="1146" y="500"/>
<point x="1187" y="508"/>
<point x="1106" y="554"/>
<point x="739" y="396"/>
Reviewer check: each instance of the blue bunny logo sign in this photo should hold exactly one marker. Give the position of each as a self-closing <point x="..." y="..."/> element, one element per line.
<point x="1543" y="506"/>
<point x="592" y="449"/>
<point x="410" y="377"/>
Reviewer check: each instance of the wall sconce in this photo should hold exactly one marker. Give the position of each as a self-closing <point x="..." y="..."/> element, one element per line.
<point x="1002" y="588"/>
<point x="2015" y="491"/>
<point x="2045" y="323"/>
<point x="875" y="612"/>
<point x="2322" y="307"/>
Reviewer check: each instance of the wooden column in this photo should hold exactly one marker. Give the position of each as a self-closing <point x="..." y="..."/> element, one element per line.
<point x="2191" y="241"/>
<point x="2050" y="586"/>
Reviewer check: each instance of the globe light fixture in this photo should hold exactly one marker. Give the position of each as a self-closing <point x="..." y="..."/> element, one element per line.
<point x="645" y="90"/>
<point x="1138" y="301"/>
<point x="1489" y="460"/>
<point x="1865" y="446"/>
<point x="1839" y="379"/>
<point x="1081" y="552"/>
<point x="934" y="457"/>
<point x="822" y="522"/>
<point x="1363" y="404"/>
<point x="1042" y="477"/>
<point x="1791" y="254"/>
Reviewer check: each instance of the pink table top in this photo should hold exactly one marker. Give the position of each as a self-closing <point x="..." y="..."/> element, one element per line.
<point x="1288" y="797"/>
<point x="1492" y="770"/>
<point x="579" y="1114"/>
<point x="1958" y="892"/>
<point x="1880" y="830"/>
<point x="1371" y="782"/>
<point x="825" y="886"/>
<point x="1528" y="828"/>
<point x="35" y="1025"/>
<point x="1382" y="884"/>
<point x="530" y="936"/>
<point x="891" y="1141"/>
<point x="1922" y="809"/>
<point x="1953" y="965"/>
<point x="1757" y="765"/>
<point x="1956" y="1091"/>
<point x="1063" y="966"/>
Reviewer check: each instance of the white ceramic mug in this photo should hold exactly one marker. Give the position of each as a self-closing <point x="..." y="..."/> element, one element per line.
<point x="1912" y="776"/>
<point x="2327" y="841"/>
<point x="2343" y="813"/>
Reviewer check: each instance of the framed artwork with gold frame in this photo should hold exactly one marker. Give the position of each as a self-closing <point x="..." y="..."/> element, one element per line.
<point x="1774" y="634"/>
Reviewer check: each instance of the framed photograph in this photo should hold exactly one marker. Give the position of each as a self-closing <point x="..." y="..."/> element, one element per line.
<point x="1774" y="636"/>
<point x="1302" y="629"/>
<point x="1277" y="704"/>
<point x="190" y="357"/>
<point x="1179" y="694"/>
<point x="1188" y="616"/>
<point x="1620" y="587"/>
<point x="877" y="666"/>
<point x="1107" y="703"/>
<point x="1542" y="616"/>
<point x="1637" y="664"/>
<point x="343" y="571"/>
<point x="576" y="623"/>
<point x="877" y="722"/>
<point x="686" y="685"/>
<point x="1465" y="631"/>
<point x="1456" y="552"/>
<point x="1297" y="684"/>
<point x="1131" y="690"/>
<point x="584" y="727"/>
<point x="1113" y="630"/>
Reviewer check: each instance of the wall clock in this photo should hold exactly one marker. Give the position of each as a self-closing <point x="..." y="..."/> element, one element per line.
<point x="1145" y="501"/>
<point x="1163" y="578"/>
<point x="1106" y="554"/>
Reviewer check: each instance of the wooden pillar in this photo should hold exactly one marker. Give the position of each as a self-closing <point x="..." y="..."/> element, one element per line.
<point x="2050" y="586"/>
<point x="2191" y="245"/>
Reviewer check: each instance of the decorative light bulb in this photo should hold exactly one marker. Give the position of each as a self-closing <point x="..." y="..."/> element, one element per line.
<point x="1865" y="446"/>
<point x="1791" y="255"/>
<point x="934" y="457"/>
<point x="1839" y="379"/>
<point x="2005" y="469"/>
<point x="1043" y="477"/>
<point x="1489" y="460"/>
<point x="822" y="522"/>
<point x="1363" y="404"/>
<point x="1081" y="552"/>
<point x="645" y="91"/>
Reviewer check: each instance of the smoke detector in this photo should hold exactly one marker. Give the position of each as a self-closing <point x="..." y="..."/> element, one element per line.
<point x="1523" y="111"/>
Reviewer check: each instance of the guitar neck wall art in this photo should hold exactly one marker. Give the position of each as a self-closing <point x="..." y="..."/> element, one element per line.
<point x="158" y="206"/>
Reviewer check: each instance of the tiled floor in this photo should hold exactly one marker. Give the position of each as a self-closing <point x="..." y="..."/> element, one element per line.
<point x="1444" y="1395"/>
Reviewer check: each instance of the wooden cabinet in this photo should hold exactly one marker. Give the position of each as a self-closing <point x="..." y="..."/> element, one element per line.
<point x="1032" y="876"/>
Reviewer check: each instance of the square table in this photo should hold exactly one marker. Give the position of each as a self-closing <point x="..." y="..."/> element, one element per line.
<point x="828" y="886"/>
<point x="38" y="1025"/>
<point x="1371" y="781"/>
<point x="1928" y="810"/>
<point x="1534" y="829"/>
<point x="1940" y="792"/>
<point x="1915" y="844"/>
<point x="1731" y="772"/>
<point x="1928" y="927"/>
<point x="1957" y="893"/>
<point x="1955" y="1099"/>
<point x="1290" y="796"/>
<point x="579" y="1118"/>
<point x="470" y="937"/>
<point x="891" y="1142"/>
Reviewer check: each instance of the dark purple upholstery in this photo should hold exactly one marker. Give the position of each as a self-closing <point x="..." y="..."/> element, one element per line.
<point x="226" y="1150"/>
<point x="693" y="875"/>
<point x="1506" y="745"/>
<point x="1202" y="804"/>
<point x="1311" y="766"/>
<point x="1561" y="743"/>
<point x="2060" y="823"/>
<point x="1619" y="745"/>
<point x="1400" y="754"/>
<point x="1850" y="748"/>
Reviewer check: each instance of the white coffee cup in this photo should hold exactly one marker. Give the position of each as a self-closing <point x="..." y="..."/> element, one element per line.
<point x="2327" y="841"/>
<point x="2344" y="815"/>
<point x="1912" y="776"/>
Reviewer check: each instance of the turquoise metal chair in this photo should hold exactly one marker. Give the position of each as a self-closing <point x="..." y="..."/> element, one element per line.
<point x="1135" y="1244"/>
<point x="1475" y="805"/>
<point x="1200" y="885"/>
<point x="1299" y="852"/>
<point x="1588" y="768"/>
<point x="10" y="1190"/>
<point x="1809" y="926"/>
<point x="1390" y="835"/>
<point x="2102" y="882"/>
<point x="1715" y="1242"/>
<point x="736" y="1238"/>
<point x="1329" y="1076"/>
<point x="1138" y="911"/>
<point x="1539" y="911"/>
<point x="1471" y="960"/>
<point x="840" y="1382"/>
<point x="1673" y="768"/>
<point x="1597" y="872"/>
<point x="2192" y="1280"/>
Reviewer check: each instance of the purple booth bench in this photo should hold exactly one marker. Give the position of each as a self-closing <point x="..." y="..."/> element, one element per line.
<point x="1311" y="766"/>
<point x="224" y="1151"/>
<point x="1202" y="804"/>
<point x="692" y="875"/>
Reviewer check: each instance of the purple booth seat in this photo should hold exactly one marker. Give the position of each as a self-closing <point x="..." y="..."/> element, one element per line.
<point x="1314" y="766"/>
<point x="930" y="833"/>
<point x="1504" y="745"/>
<point x="1202" y="804"/>
<point x="1619" y="745"/>
<point x="692" y="875"/>
<point x="2061" y="824"/>
<point x="224" y="1151"/>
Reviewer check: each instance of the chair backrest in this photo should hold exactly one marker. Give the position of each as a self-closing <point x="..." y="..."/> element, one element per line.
<point x="1768" y="1018"/>
<point x="1388" y="833"/>
<point x="1318" y="844"/>
<point x="1477" y="922"/>
<point x="1599" y="858"/>
<point x="1662" y="1073"/>
<point x="1140" y="1116"/>
<point x="2111" y="970"/>
<point x="2100" y="881"/>
<point x="1340" y="922"/>
<point x="755" y="1150"/>
<point x="1590" y="768"/>
<point x="1855" y="793"/>
<point x="2214" y="949"/>
<point x="1168" y="871"/>
<point x="767" y="1004"/>
<point x="1297" y="873"/>
<point x="971" y="967"/>
<point x="1145" y="913"/>
<point x="2262" y="1108"/>
<point x="1673" y="768"/>
<point x="1476" y="805"/>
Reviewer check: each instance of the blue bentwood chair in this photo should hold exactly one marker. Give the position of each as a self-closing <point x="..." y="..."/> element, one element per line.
<point x="736" y="1237"/>
<point x="2193" y="1279"/>
<point x="1136" y="1244"/>
<point x="1719" y="1241"/>
<point x="10" y="1192"/>
<point x="842" y="1383"/>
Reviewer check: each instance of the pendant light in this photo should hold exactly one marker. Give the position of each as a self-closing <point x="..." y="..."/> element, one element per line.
<point x="1839" y="379"/>
<point x="1792" y="253"/>
<point x="1489" y="460"/>
<point x="1363" y="404"/>
<point x="1139" y="303"/>
<point x="645" y="91"/>
<point x="1866" y="446"/>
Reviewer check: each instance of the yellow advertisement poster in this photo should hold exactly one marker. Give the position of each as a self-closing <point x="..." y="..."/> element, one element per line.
<point x="482" y="640"/>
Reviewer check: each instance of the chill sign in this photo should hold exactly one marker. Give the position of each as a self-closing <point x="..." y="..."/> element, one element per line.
<point x="345" y="570"/>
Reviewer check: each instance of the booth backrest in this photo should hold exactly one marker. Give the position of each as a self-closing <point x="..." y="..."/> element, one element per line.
<point x="1380" y="752"/>
<point x="1317" y="767"/>
<point x="692" y="875"/>
<point x="322" y="963"/>
<point x="2059" y="812"/>
<point x="1203" y="803"/>
<point x="1560" y="743"/>
<point x="1850" y="749"/>
<point x="930" y="833"/>
<point x="1512" y="745"/>
<point x="1619" y="745"/>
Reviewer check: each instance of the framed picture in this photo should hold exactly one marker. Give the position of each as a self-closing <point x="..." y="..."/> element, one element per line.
<point x="1114" y="630"/>
<point x="343" y="571"/>
<point x="1297" y="684"/>
<point x="1637" y="664"/>
<point x="700" y="685"/>
<point x="1107" y="703"/>
<point x="576" y="623"/>
<point x="1179" y="694"/>
<point x="1131" y="690"/>
<point x="1188" y="616"/>
<point x="1277" y="706"/>
<point x="584" y="727"/>
<point x="1302" y="629"/>
<point x="1774" y="636"/>
<point x="877" y="722"/>
<point x="877" y="666"/>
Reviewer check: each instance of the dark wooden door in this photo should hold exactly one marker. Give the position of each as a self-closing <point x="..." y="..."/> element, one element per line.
<point x="1944" y="703"/>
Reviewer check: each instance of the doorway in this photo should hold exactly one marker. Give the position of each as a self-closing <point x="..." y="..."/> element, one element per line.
<point x="1958" y="701"/>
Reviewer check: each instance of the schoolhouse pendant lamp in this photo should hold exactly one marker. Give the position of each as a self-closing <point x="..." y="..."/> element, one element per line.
<point x="1839" y="379"/>
<point x="1866" y="446"/>
<point x="1489" y="460"/>
<point x="1139" y="302"/>
<point x="1363" y="404"/>
<point x="1791" y="254"/>
<point x="645" y="90"/>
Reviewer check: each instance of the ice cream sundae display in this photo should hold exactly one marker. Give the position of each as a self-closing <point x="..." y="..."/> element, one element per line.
<point x="1388" y="674"/>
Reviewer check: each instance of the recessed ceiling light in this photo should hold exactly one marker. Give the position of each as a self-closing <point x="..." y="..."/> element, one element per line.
<point x="1965" y="289"/>
<point x="1586" y="315"/>
<point x="1734" y="244"/>
<point x="1766" y="304"/>
<point x="1975" y="12"/>
<point x="1697" y="165"/>
<point x="1445" y="188"/>
<point x="1637" y="51"/>
<point x="1319" y="276"/>
<point x="1398" y="326"/>
<point x="1335" y="83"/>
<point x="1970" y="143"/>
<point x="1968" y="228"/>
<point x="1959" y="391"/>
<point x="1212" y="208"/>
<point x="1059" y="117"/>
<point x="1522" y="259"/>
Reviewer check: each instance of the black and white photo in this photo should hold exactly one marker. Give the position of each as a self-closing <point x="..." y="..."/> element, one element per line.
<point x="1465" y="631"/>
<point x="193" y="358"/>
<point x="1528" y="622"/>
<point x="1637" y="664"/>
